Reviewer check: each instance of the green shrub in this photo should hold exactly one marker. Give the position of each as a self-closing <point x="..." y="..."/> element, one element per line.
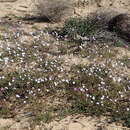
<point x="127" y="120"/>
<point x="80" y="26"/>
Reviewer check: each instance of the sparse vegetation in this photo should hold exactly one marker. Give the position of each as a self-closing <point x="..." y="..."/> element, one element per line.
<point x="4" y="112"/>
<point x="39" y="79"/>
<point x="79" y="26"/>
<point x="126" y="61"/>
<point x="97" y="93"/>
<point x="45" y="117"/>
<point x="76" y="28"/>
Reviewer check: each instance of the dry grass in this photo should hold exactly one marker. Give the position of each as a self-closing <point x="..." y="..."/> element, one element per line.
<point x="53" y="10"/>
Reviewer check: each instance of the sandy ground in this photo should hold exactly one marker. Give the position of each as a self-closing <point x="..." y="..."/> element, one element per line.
<point x="78" y="122"/>
<point x="82" y="8"/>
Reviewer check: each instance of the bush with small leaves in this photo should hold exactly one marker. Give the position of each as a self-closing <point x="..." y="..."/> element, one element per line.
<point x="74" y="28"/>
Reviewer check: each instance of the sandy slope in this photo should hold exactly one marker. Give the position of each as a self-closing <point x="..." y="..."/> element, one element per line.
<point x="69" y="123"/>
<point x="83" y="7"/>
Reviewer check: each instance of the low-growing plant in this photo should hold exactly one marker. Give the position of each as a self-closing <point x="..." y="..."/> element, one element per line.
<point x="44" y="117"/>
<point x="97" y="94"/>
<point x="80" y="26"/>
<point x="77" y="27"/>
<point x="126" y="61"/>
<point x="4" y="111"/>
<point x="127" y="120"/>
<point x="118" y="44"/>
<point x="22" y="85"/>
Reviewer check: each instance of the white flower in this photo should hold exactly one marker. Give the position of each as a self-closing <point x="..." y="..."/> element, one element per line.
<point x="73" y="82"/>
<point x="119" y="79"/>
<point x="97" y="103"/>
<point x="122" y="96"/>
<point x="102" y="97"/>
<point x="9" y="84"/>
<point x="93" y="98"/>
<point x="82" y="90"/>
<point x="39" y="89"/>
<point x="24" y="101"/>
<point x="102" y="82"/>
<point x="17" y="96"/>
<point x="87" y="95"/>
<point x="128" y="109"/>
<point x="122" y="64"/>
<point x="6" y="59"/>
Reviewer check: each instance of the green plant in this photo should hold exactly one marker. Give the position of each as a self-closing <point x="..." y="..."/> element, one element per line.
<point x="80" y="26"/>
<point x="126" y="61"/>
<point x="45" y="117"/>
<point x="118" y="44"/>
<point x="95" y="93"/>
<point x="127" y="120"/>
<point x="4" y="111"/>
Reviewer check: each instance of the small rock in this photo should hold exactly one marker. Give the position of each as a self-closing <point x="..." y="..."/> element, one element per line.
<point x="121" y="24"/>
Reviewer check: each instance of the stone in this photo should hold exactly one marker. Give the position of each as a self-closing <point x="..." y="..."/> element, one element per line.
<point x="121" y="25"/>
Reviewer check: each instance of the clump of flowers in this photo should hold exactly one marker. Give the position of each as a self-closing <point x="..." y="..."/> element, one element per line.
<point x="97" y="92"/>
<point x="30" y="82"/>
